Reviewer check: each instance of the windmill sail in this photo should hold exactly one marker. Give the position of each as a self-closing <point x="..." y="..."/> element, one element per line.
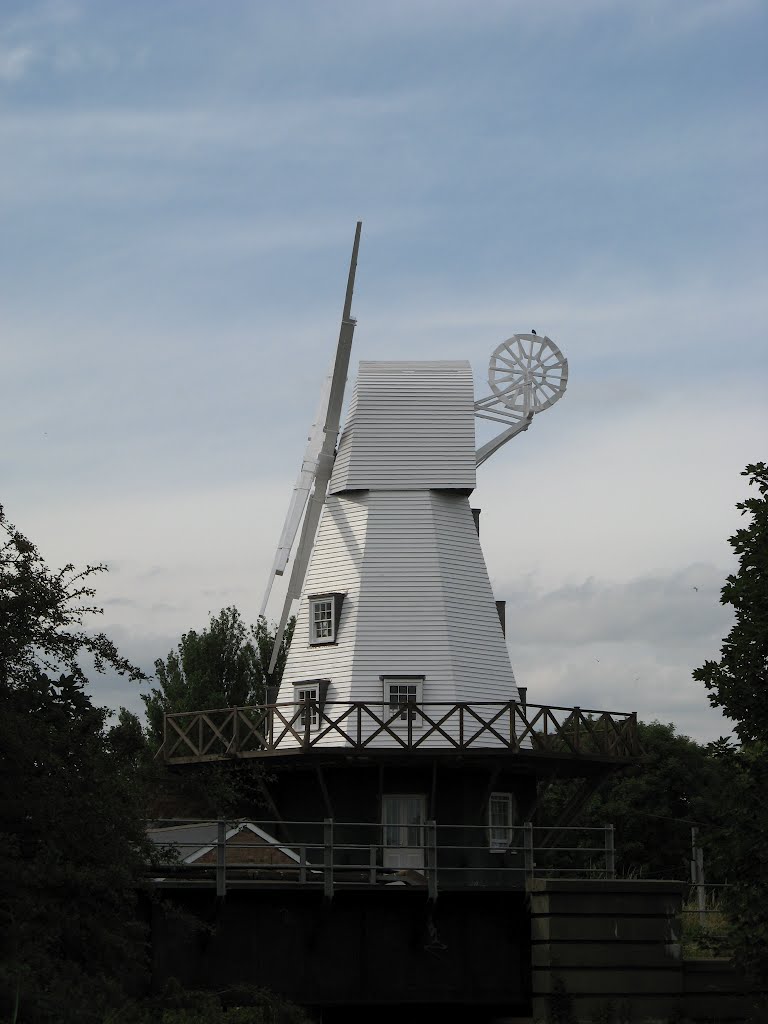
<point x="300" y="492"/>
<point x="317" y="465"/>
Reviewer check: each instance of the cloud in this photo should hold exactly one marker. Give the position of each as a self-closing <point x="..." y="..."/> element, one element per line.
<point x="628" y="646"/>
<point x="693" y="16"/>
<point x="619" y="493"/>
<point x="623" y="646"/>
<point x="15" y="62"/>
<point x="652" y="22"/>
<point x="175" y="556"/>
<point x="41" y="17"/>
<point x="623" y="678"/>
<point x="661" y="611"/>
<point x="254" y="126"/>
<point x="159" y="156"/>
<point x="141" y="647"/>
<point x="605" y="313"/>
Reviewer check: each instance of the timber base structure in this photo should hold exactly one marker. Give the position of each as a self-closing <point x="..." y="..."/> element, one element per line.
<point x="391" y="850"/>
<point x="580" y="951"/>
<point x="464" y="958"/>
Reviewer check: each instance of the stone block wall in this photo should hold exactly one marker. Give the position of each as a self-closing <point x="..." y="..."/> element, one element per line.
<point x="609" y="952"/>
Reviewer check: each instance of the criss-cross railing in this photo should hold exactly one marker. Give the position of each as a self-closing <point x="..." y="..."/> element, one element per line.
<point x="359" y="726"/>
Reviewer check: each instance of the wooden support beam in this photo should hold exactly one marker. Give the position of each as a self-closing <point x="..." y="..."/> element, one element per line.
<point x="221" y="858"/>
<point x="324" y="790"/>
<point x="264" y="790"/>
<point x="328" y="858"/>
<point x="433" y="791"/>
<point x="431" y="859"/>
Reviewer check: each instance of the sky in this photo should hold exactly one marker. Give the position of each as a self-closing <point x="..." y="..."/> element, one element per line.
<point x="179" y="186"/>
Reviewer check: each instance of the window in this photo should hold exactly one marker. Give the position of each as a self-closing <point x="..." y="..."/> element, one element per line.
<point x="307" y="698"/>
<point x="322" y="621"/>
<point x="500" y="818"/>
<point x="403" y="696"/>
<point x="310" y="695"/>
<point x="324" y="617"/>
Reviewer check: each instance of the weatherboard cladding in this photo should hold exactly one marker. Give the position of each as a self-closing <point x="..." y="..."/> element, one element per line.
<point x="418" y="602"/>
<point x="410" y="427"/>
<point x="335" y="566"/>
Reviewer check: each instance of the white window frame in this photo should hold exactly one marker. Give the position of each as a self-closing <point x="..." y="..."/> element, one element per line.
<point x="315" y="603"/>
<point x="500" y="834"/>
<point x="415" y="684"/>
<point x="316" y="691"/>
<point x="334" y="602"/>
<point x="310" y="691"/>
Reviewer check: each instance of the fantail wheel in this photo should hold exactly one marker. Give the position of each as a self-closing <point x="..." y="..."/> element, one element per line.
<point x="528" y="373"/>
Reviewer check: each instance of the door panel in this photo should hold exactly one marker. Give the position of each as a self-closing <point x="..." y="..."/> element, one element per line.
<point x="403" y="828"/>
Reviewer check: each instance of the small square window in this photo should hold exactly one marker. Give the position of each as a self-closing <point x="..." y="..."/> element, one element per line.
<point x="403" y="696"/>
<point x="501" y="808"/>
<point x="324" y="616"/>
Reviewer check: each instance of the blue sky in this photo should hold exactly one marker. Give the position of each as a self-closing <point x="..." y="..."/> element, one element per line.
<point x="179" y="185"/>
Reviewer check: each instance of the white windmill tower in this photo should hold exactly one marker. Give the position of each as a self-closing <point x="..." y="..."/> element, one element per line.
<point x="398" y="638"/>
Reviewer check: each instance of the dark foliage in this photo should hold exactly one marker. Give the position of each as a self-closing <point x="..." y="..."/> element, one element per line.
<point x="224" y="665"/>
<point x="654" y="804"/>
<point x="738" y="683"/>
<point x="73" y="842"/>
<point x="38" y="610"/>
<point x="243" y="1005"/>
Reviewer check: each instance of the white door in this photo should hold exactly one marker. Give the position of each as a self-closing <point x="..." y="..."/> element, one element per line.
<point x="403" y="821"/>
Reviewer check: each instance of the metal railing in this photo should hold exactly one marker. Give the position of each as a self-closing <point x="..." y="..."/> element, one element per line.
<point x="357" y="726"/>
<point x="329" y="855"/>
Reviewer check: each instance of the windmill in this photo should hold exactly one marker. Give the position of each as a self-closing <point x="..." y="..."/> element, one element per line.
<point x="399" y="750"/>
<point x="397" y="607"/>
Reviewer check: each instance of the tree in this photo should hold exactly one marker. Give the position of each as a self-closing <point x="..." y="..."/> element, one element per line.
<point x="654" y="804"/>
<point x="38" y="609"/>
<point x="225" y="665"/>
<point x="73" y="840"/>
<point x="738" y="684"/>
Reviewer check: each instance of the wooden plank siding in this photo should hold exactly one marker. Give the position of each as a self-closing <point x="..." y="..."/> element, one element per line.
<point x="336" y="565"/>
<point x="411" y="426"/>
<point x="418" y="601"/>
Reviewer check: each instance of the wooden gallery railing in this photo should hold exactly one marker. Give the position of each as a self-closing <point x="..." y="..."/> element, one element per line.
<point x="526" y="729"/>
